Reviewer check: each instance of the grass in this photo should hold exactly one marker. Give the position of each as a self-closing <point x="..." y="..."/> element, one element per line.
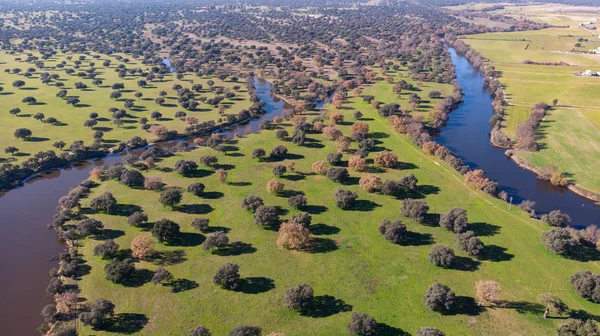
<point x="355" y="265"/>
<point x="527" y="84"/>
<point x="95" y="99"/>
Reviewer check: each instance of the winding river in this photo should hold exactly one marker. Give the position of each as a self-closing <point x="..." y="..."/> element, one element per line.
<point x="26" y="211"/>
<point x="467" y="136"/>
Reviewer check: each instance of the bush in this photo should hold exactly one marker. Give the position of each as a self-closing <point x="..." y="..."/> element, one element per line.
<point x="245" y="331"/>
<point x="266" y="216"/>
<point x="439" y="298"/>
<point x="196" y="189"/>
<point x="579" y="328"/>
<point x="338" y="175"/>
<point x="370" y="183"/>
<point x="560" y="241"/>
<point x="153" y="183"/>
<point x="344" y="198"/>
<point x="469" y="243"/>
<point x="137" y="218"/>
<point x="334" y="158"/>
<point x="441" y="256"/>
<point x="297" y="201"/>
<point x="298" y="298"/>
<point x="132" y="178"/>
<point x="414" y="209"/>
<point x="362" y="324"/>
<point x="386" y="159"/>
<point x="454" y="220"/>
<point x="279" y="152"/>
<point x="302" y="218"/>
<point x="209" y="160"/>
<point x="274" y="186"/>
<point x="218" y="239"/>
<point x="118" y="270"/>
<point x="429" y="331"/>
<point x="200" y="331"/>
<point x="281" y="134"/>
<point x="258" y="153"/>
<point x="556" y="218"/>
<point x="107" y="249"/>
<point x="587" y="285"/>
<point x="393" y="231"/>
<point x="251" y="203"/>
<point x="161" y="275"/>
<point x="200" y="224"/>
<point x="227" y="276"/>
<point x="279" y="170"/>
<point x="165" y="230"/>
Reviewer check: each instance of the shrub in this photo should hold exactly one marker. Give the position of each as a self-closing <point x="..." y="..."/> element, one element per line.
<point x="200" y="331"/>
<point x="587" y="285"/>
<point x="171" y="196"/>
<point x="165" y="230"/>
<point x="153" y="183"/>
<point x="302" y="218"/>
<point x="360" y="126"/>
<point x="107" y="249"/>
<point x="258" y="153"/>
<point x="342" y="144"/>
<point x="196" y="189"/>
<point x="370" y="183"/>
<point x="132" y="178"/>
<point x="227" y="276"/>
<point x="393" y="231"/>
<point x="200" y="224"/>
<point x="320" y="167"/>
<point x="454" y="220"/>
<point x="386" y="159"/>
<point x="293" y="236"/>
<point x="357" y="163"/>
<point x="344" y="198"/>
<point x="579" y="327"/>
<point x="441" y="256"/>
<point x="476" y="179"/>
<point x="137" y="218"/>
<point x="266" y="216"/>
<point x="279" y="152"/>
<point x="209" y="160"/>
<point x="297" y="201"/>
<point x="358" y="115"/>
<point x="251" y="203"/>
<point x="392" y="188"/>
<point x="141" y="247"/>
<point x="560" y="241"/>
<point x="409" y="182"/>
<point x="281" y="134"/>
<point x="468" y="242"/>
<point x="245" y="331"/>
<point x="118" y="270"/>
<point x="429" y="331"/>
<point x="556" y="218"/>
<point x="439" y="298"/>
<point x="487" y="291"/>
<point x="222" y="175"/>
<point x="274" y="186"/>
<point x="334" y="158"/>
<point x="336" y="118"/>
<point x="218" y="239"/>
<point x="279" y="170"/>
<point x="332" y="133"/>
<point x="414" y="209"/>
<point x="185" y="167"/>
<point x="362" y="324"/>
<point x="298" y="298"/>
<point x="161" y="275"/>
<point x="338" y="175"/>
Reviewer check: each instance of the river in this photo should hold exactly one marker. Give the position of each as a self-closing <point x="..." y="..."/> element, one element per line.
<point x="29" y="245"/>
<point x="467" y="136"/>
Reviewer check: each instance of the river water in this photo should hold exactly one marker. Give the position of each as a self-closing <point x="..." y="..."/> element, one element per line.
<point x="26" y="211"/>
<point x="467" y="136"/>
<point x="28" y="245"/>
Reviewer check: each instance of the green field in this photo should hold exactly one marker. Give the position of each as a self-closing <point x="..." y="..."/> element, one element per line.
<point x="354" y="268"/>
<point x="571" y="141"/>
<point x="95" y="99"/>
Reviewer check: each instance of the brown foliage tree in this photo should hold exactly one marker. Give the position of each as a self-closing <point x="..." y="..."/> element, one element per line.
<point x="141" y="247"/>
<point x="274" y="186"/>
<point x="357" y="163"/>
<point x="293" y="236"/>
<point x="370" y="183"/>
<point x="320" y="167"/>
<point x="386" y="159"/>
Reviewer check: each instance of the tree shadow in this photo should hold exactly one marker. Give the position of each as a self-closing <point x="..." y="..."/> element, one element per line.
<point x="406" y="166"/>
<point x="584" y="252"/>
<point x="416" y="239"/>
<point x="187" y="239"/>
<point x="378" y="135"/>
<point x="212" y="195"/>
<point x="321" y="245"/>
<point x="522" y="307"/>
<point x="200" y="173"/>
<point x="235" y="249"/>
<point x="465" y="305"/>
<point x="126" y="323"/>
<point x="110" y="234"/>
<point x="428" y="189"/>
<point x="294" y="178"/>
<point x="314" y="209"/>
<point x="323" y="229"/>
<point x="364" y="205"/>
<point x="240" y="184"/>
<point x="465" y="264"/>
<point x="217" y="228"/>
<point x="255" y="285"/>
<point x="224" y="166"/>
<point x="36" y="139"/>
<point x="387" y="330"/>
<point x="138" y="278"/>
<point x="289" y="193"/>
<point x="325" y="306"/>
<point x="182" y="285"/>
<point x="167" y="258"/>
<point x="495" y="253"/>
<point x="195" y="209"/>
<point x="125" y="209"/>
<point x="431" y="219"/>
<point x="484" y="229"/>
